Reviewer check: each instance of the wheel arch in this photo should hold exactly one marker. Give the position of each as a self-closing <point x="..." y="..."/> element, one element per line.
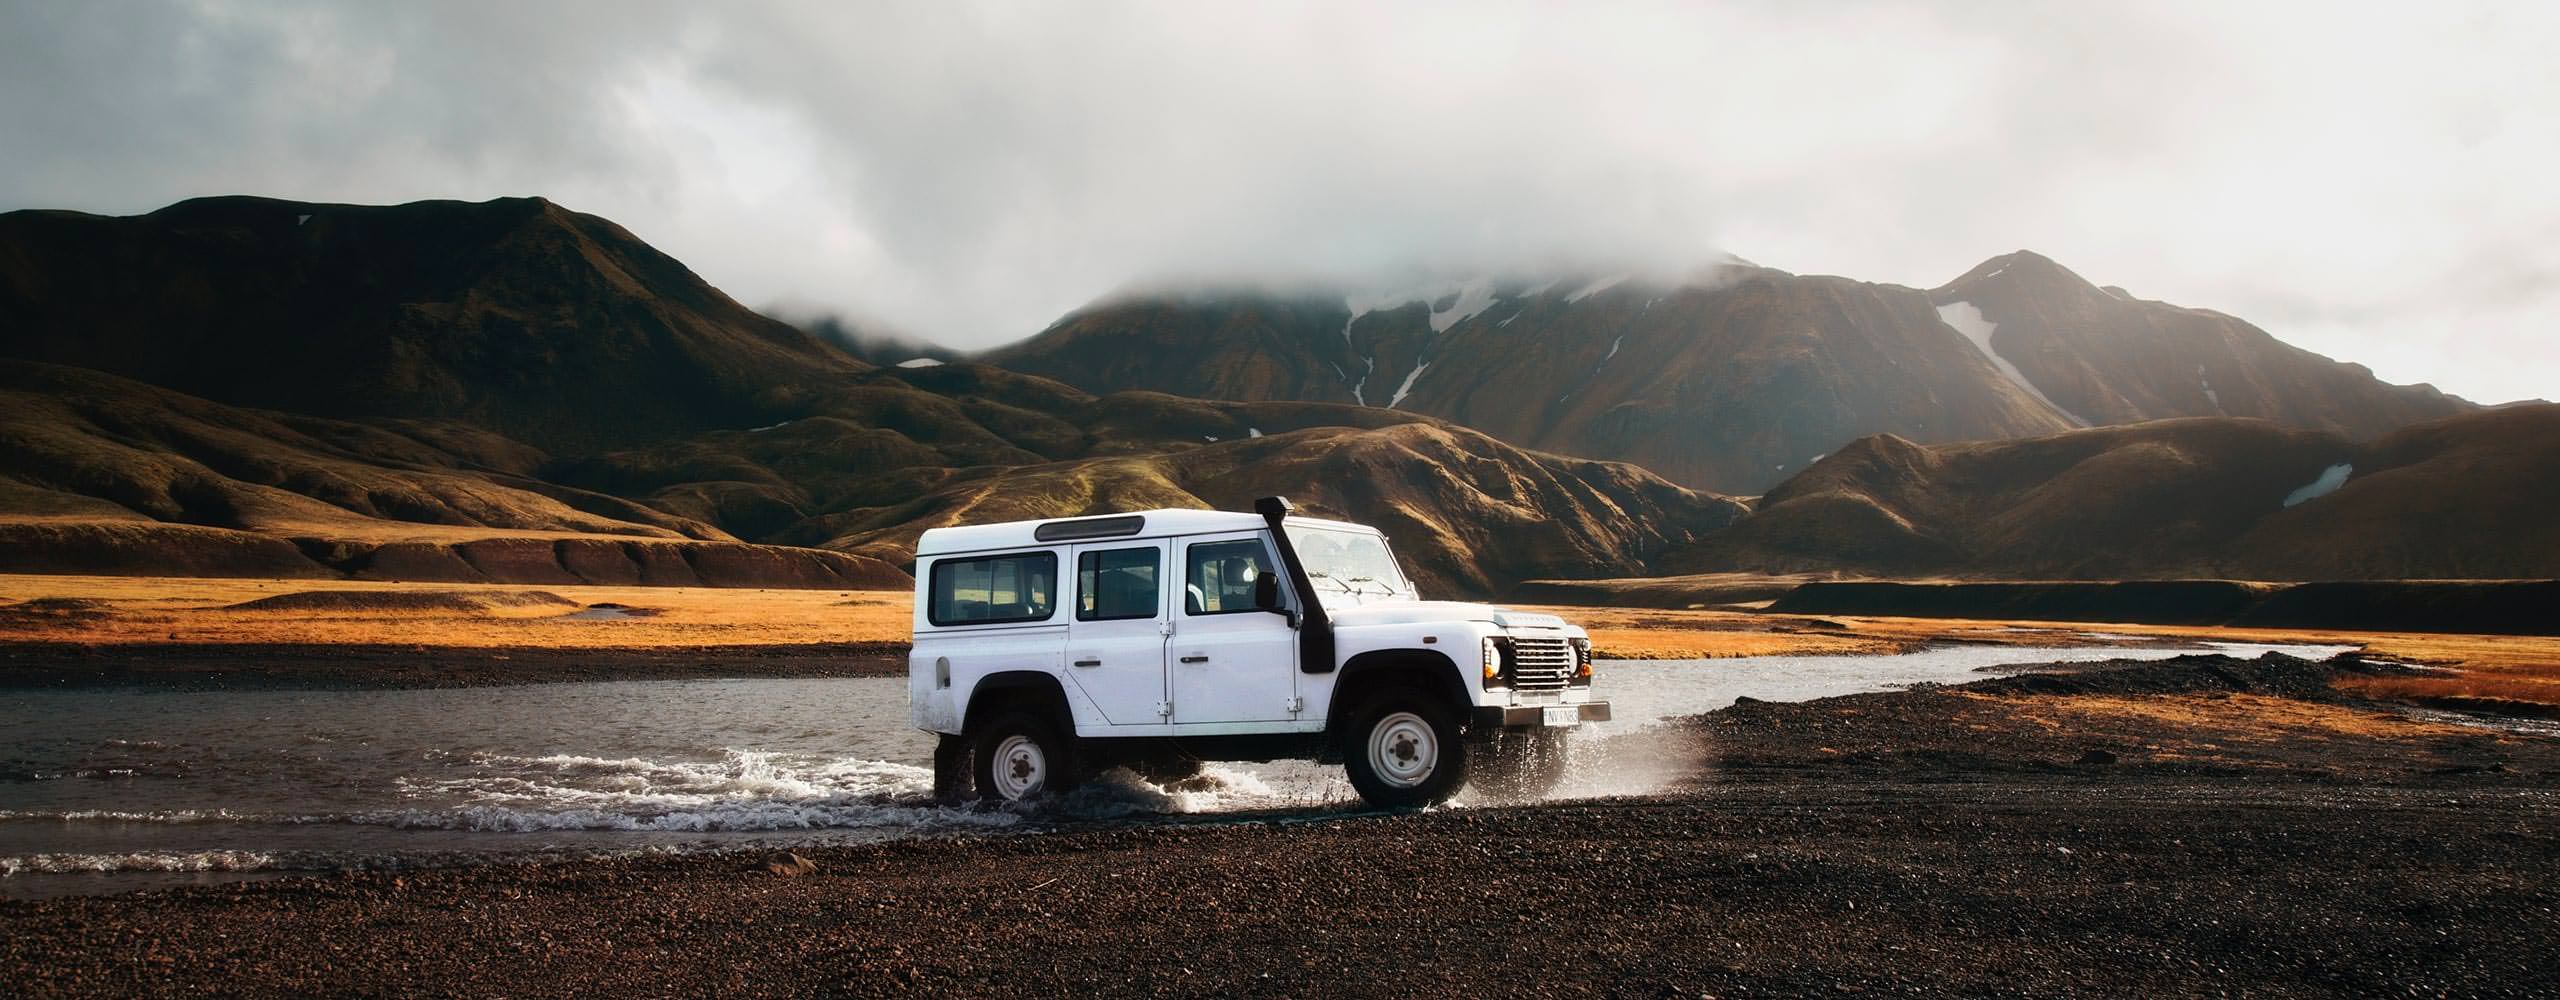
<point x="1428" y="670"/>
<point x="1033" y="690"/>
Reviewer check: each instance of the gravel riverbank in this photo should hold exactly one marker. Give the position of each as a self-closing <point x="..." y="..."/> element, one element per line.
<point x="2239" y="834"/>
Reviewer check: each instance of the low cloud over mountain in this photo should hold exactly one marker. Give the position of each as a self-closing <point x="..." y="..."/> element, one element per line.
<point x="2367" y="184"/>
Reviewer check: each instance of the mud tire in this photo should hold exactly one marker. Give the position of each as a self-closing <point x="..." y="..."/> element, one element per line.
<point x="1404" y="751"/>
<point x="1034" y="759"/>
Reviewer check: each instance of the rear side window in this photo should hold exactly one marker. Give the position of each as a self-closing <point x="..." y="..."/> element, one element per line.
<point x="994" y="589"/>
<point x="1116" y="584"/>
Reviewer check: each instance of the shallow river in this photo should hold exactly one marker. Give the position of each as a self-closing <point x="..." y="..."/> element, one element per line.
<point x="107" y="790"/>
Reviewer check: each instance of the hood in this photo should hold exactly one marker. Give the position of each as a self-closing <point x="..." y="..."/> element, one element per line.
<point x="1422" y="612"/>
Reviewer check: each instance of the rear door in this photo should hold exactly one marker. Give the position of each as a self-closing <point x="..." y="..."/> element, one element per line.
<point x="1116" y="629"/>
<point x="1234" y="666"/>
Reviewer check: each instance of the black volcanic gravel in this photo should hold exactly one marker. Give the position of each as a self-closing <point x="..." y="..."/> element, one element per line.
<point x="1777" y="875"/>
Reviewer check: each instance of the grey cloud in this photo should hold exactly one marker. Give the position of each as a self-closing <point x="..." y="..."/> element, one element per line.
<point x="2366" y="181"/>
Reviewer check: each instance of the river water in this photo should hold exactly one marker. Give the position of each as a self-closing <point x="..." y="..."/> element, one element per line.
<point x="105" y="790"/>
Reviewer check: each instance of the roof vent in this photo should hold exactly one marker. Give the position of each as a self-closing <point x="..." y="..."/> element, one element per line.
<point x="1121" y="526"/>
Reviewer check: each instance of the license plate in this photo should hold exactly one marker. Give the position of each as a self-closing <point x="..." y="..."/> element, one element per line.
<point x="1563" y="715"/>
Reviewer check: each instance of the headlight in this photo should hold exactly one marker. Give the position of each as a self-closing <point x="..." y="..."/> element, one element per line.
<point x="1582" y="661"/>
<point x="1494" y="654"/>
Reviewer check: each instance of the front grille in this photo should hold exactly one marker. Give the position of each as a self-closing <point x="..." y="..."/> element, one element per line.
<point x="1541" y="664"/>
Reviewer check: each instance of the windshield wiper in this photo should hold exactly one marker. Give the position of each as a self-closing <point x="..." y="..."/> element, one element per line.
<point x="1317" y="574"/>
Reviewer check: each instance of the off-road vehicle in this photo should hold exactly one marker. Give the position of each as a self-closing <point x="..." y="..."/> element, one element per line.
<point x="1048" y="651"/>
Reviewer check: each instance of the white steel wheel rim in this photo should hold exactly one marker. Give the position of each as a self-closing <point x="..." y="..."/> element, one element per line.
<point x="1020" y="767"/>
<point x="1403" y="750"/>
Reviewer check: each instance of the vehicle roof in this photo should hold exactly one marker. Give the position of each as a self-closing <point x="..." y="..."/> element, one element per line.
<point x="1160" y="523"/>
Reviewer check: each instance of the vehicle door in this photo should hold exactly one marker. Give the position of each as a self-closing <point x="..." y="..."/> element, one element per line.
<point x="1233" y="662"/>
<point x="1116" y="635"/>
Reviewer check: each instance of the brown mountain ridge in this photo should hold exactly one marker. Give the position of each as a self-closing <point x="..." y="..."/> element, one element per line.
<point x="516" y="316"/>
<point x="458" y="391"/>
<point x="1734" y="378"/>
<point x="2465" y="497"/>
<point x="510" y="391"/>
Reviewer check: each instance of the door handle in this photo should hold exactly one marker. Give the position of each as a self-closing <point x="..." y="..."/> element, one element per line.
<point x="1088" y="663"/>
<point x="1195" y="659"/>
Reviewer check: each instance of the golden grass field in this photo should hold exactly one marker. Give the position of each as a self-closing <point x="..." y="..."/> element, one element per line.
<point x="199" y="611"/>
<point x="109" y="610"/>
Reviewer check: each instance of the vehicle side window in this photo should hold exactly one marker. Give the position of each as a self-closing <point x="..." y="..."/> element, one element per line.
<point x="1116" y="584"/>
<point x="1221" y="575"/>
<point x="994" y="590"/>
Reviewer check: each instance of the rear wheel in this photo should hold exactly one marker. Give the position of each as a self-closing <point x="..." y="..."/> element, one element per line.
<point x="1021" y="756"/>
<point x="1404" y="751"/>
<point x="1522" y="764"/>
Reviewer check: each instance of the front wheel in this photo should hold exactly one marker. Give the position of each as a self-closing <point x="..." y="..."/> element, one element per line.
<point x="1020" y="756"/>
<point x="1405" y="752"/>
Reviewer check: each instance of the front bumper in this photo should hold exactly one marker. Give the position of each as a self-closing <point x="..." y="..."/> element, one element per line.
<point x="1529" y="716"/>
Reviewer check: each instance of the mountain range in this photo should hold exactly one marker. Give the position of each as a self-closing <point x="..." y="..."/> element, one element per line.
<point x="510" y="390"/>
<point x="1737" y="377"/>
<point x="2464" y="497"/>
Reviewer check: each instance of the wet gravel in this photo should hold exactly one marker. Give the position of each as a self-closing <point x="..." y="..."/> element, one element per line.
<point x="1789" y="868"/>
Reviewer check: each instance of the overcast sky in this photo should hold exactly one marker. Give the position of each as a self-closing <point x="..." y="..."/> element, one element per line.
<point x="2376" y="184"/>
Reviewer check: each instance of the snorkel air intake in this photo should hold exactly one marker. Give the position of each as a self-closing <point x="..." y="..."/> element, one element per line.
<point x="1315" y="631"/>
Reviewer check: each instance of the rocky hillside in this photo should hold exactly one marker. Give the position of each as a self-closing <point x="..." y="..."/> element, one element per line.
<point x="1736" y="378"/>
<point x="2105" y="357"/>
<point x="100" y="474"/>
<point x="512" y="391"/>
<point x="1468" y="514"/>
<point x="2461" y="497"/>
<point x="516" y="316"/>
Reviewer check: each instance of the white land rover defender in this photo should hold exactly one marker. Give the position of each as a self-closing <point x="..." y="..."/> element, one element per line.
<point x="1046" y="651"/>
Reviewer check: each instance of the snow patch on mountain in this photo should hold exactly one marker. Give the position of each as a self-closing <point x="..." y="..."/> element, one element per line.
<point x="921" y="363"/>
<point x="1407" y="388"/>
<point x="1596" y="287"/>
<point x="1472" y="298"/>
<point x="1966" y="318"/>
<point x="2330" y="479"/>
<point x="1613" y="352"/>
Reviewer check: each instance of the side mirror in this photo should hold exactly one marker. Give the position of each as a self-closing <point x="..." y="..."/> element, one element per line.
<point x="1266" y="597"/>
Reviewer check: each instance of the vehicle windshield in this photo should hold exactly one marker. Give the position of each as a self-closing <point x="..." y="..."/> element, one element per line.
<point x="1355" y="564"/>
